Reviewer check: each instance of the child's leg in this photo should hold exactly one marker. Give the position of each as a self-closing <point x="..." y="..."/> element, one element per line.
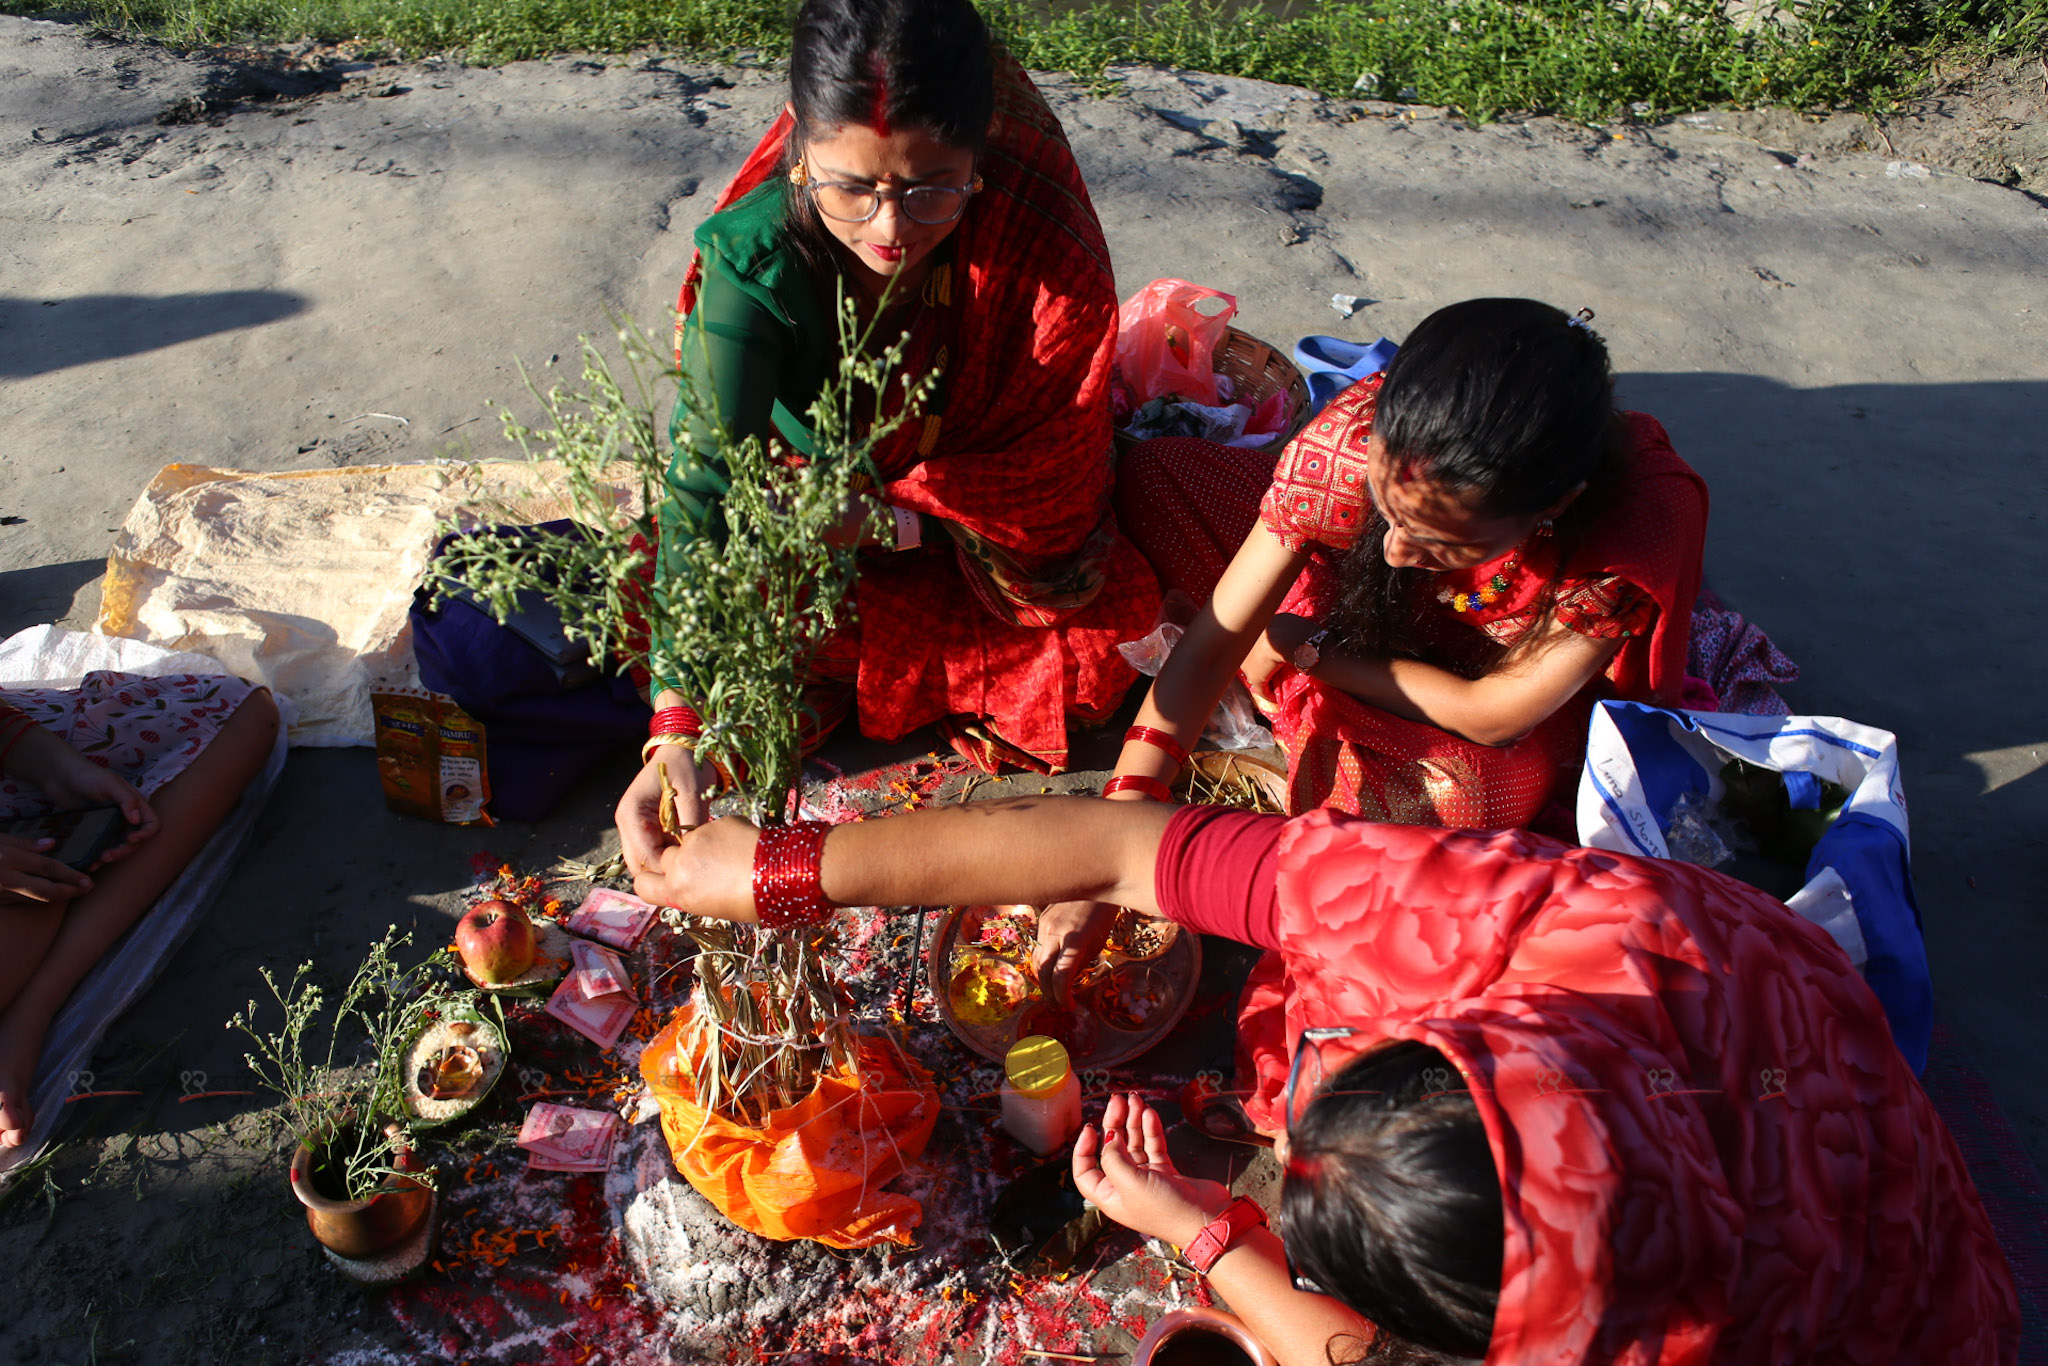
<point x="59" y="948"/>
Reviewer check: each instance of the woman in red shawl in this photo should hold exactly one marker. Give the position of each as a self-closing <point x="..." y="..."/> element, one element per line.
<point x="1540" y="1105"/>
<point x="1454" y="560"/>
<point x="919" y="173"/>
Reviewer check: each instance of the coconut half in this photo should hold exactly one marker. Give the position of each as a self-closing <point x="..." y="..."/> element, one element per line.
<point x="452" y="1066"/>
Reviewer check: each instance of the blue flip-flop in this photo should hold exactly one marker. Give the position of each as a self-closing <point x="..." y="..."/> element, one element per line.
<point x="1331" y="365"/>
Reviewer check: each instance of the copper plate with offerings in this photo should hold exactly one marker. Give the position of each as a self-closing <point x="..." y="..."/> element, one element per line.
<point x="1127" y="1000"/>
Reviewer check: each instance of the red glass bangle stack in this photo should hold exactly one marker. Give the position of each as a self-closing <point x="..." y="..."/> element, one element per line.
<point x="1158" y="739"/>
<point x="681" y="723"/>
<point x="1155" y="788"/>
<point x="674" y="726"/>
<point x="787" y="863"/>
<point x="1132" y="782"/>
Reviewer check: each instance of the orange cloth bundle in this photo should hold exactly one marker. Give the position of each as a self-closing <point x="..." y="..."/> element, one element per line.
<point x="817" y="1169"/>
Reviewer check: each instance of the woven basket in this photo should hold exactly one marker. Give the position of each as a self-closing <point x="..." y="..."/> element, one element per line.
<point x="1259" y="372"/>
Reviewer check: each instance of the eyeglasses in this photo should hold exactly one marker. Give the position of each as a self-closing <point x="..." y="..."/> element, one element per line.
<point x="1306" y="1077"/>
<point x="848" y="201"/>
<point x="1304" y="1082"/>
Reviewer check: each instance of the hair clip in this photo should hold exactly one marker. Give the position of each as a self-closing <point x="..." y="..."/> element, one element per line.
<point x="1582" y="319"/>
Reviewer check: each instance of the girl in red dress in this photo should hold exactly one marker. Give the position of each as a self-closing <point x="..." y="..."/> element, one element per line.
<point x="1452" y="563"/>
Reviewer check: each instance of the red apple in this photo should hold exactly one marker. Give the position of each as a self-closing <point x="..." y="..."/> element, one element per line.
<point x="496" y="941"/>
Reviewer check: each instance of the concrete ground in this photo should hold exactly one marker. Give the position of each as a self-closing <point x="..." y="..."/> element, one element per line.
<point x="218" y="263"/>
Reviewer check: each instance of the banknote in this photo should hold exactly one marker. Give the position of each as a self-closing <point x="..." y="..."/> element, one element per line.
<point x="537" y="1163"/>
<point x="601" y="1020"/>
<point x="619" y="919"/>
<point x="566" y="1134"/>
<point x="599" y="971"/>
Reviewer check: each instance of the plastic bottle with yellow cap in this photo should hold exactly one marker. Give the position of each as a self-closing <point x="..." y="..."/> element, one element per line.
<point x="1041" y="1094"/>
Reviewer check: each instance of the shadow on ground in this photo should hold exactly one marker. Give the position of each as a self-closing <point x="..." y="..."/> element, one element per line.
<point x="39" y="336"/>
<point x="45" y="592"/>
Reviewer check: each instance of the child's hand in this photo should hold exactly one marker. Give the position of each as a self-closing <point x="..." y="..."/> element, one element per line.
<point x="29" y="876"/>
<point x="1124" y="1170"/>
<point x="1274" y="648"/>
<point x="73" y="782"/>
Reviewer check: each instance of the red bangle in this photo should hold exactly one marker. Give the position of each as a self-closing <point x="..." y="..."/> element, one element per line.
<point x="1159" y="739"/>
<point x="1134" y="782"/>
<point x="787" y="861"/>
<point x="682" y="721"/>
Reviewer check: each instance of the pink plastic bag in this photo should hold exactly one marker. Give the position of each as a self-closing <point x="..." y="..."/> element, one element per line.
<point x="1167" y="337"/>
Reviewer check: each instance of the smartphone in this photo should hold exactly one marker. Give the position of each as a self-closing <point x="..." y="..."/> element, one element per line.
<point x="81" y="836"/>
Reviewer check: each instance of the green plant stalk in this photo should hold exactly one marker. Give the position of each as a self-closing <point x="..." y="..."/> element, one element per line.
<point x="330" y="1104"/>
<point x="731" y="617"/>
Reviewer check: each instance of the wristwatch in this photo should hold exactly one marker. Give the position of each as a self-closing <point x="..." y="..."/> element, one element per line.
<point x="1221" y="1233"/>
<point x="1309" y="653"/>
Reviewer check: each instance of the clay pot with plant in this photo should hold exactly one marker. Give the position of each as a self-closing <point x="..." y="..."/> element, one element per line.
<point x="339" y="1077"/>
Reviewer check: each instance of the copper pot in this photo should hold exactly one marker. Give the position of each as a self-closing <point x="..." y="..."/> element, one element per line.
<point x="362" y="1229"/>
<point x="1200" y="1337"/>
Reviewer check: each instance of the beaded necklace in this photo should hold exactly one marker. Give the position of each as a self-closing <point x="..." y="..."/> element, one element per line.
<point x="1491" y="592"/>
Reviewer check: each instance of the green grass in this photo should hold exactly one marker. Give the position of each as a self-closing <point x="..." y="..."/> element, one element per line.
<point x="1585" y="59"/>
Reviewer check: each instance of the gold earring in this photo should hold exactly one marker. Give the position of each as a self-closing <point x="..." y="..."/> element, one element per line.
<point x="798" y="176"/>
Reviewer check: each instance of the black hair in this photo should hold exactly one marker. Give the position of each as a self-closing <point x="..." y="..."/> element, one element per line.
<point x="924" y="64"/>
<point x="1510" y="399"/>
<point x="1392" y="1205"/>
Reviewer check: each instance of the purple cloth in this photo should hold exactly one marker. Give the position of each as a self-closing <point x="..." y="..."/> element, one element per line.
<point x="1737" y="660"/>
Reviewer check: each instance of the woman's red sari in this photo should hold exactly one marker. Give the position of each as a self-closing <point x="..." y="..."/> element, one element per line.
<point x="1017" y="616"/>
<point x="1710" y="1148"/>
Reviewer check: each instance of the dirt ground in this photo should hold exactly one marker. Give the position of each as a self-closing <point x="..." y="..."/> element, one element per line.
<point x="288" y="266"/>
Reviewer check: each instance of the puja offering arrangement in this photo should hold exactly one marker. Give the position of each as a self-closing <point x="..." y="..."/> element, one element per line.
<point x="766" y="1026"/>
<point x="563" y="1138"/>
<point x="1124" y="1002"/>
<point x="430" y="756"/>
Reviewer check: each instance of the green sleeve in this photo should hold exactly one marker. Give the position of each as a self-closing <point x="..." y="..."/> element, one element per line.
<point x="734" y="352"/>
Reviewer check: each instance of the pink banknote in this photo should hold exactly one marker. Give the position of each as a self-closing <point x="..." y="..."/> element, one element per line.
<point x="601" y="1020"/>
<point x="619" y="919"/>
<point x="599" y="971"/>
<point x="566" y="1138"/>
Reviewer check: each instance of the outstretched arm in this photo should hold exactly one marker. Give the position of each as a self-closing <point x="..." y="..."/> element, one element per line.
<point x="1030" y="850"/>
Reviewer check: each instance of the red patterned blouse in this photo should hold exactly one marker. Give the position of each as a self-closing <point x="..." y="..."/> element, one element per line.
<point x="1636" y="570"/>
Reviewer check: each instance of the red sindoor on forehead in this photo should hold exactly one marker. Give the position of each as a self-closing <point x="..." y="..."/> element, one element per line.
<point x="878" y="111"/>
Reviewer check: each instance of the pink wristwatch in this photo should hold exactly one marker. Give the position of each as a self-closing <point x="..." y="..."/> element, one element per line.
<point x="1219" y="1234"/>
